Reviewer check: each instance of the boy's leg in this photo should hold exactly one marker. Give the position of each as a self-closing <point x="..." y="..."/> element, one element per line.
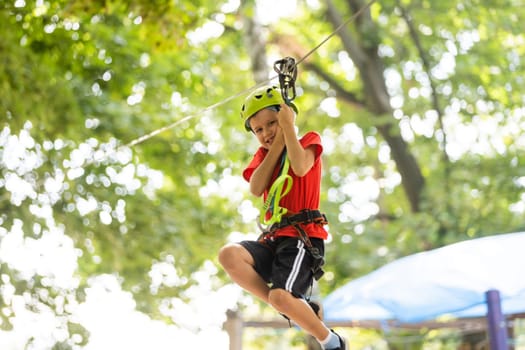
<point x="292" y="276"/>
<point x="240" y="266"/>
<point x="299" y="311"/>
<point x="304" y="316"/>
<point x="239" y="263"/>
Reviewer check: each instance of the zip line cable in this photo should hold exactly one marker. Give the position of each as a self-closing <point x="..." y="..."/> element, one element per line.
<point x="350" y="19"/>
<point x="114" y="151"/>
<point x="220" y="103"/>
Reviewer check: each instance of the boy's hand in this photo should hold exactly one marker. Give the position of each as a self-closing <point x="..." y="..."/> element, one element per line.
<point x="278" y="141"/>
<point x="286" y="116"/>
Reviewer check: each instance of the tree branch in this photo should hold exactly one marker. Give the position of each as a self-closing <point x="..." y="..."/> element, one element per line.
<point x="435" y="99"/>
<point x="426" y="65"/>
<point x="342" y="93"/>
<point x="377" y="100"/>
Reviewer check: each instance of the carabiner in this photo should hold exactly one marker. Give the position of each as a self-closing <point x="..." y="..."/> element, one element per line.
<point x="287" y="70"/>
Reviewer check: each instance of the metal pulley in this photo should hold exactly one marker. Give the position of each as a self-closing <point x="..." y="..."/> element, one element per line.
<point x="287" y="70"/>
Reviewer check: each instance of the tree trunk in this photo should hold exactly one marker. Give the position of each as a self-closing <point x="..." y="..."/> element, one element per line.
<point x="364" y="53"/>
<point x="256" y="46"/>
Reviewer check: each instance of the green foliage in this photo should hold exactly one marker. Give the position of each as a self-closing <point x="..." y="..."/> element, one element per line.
<point x="461" y="199"/>
<point x="99" y="75"/>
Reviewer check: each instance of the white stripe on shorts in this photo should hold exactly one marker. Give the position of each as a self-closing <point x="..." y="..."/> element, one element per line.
<point x="296" y="266"/>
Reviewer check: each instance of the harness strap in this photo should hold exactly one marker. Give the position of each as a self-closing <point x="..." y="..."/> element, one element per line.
<point x="306" y="216"/>
<point x="317" y="266"/>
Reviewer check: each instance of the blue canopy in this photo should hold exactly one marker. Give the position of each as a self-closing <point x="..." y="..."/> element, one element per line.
<point x="451" y="280"/>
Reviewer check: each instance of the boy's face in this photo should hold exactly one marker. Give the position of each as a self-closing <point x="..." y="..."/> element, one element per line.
<point x="264" y="125"/>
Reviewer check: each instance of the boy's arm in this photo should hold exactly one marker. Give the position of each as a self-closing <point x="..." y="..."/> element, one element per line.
<point x="262" y="175"/>
<point x="301" y="159"/>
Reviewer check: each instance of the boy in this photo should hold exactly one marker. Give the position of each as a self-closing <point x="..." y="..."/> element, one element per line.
<point x="280" y="266"/>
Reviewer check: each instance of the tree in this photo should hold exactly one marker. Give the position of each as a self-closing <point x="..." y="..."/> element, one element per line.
<point x="395" y="67"/>
<point x="398" y="70"/>
<point x="81" y="80"/>
<point x="419" y="105"/>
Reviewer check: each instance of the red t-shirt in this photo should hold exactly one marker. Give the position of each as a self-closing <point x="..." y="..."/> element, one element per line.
<point x="305" y="190"/>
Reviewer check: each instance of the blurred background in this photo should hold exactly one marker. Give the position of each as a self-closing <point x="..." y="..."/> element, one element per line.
<point x="109" y="233"/>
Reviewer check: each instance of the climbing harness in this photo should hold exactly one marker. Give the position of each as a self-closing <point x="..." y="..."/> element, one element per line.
<point x="305" y="217"/>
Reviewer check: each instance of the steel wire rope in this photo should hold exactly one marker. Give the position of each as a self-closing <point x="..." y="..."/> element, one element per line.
<point x="113" y="152"/>
<point x="272" y="212"/>
<point x="154" y="133"/>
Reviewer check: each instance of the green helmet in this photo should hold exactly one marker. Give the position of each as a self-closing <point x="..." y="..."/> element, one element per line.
<point x="259" y="99"/>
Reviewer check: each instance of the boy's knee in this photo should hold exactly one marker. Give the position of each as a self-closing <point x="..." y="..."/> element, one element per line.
<point x="229" y="254"/>
<point x="279" y="298"/>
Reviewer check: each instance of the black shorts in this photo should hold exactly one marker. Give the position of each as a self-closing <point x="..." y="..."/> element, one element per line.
<point x="285" y="262"/>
